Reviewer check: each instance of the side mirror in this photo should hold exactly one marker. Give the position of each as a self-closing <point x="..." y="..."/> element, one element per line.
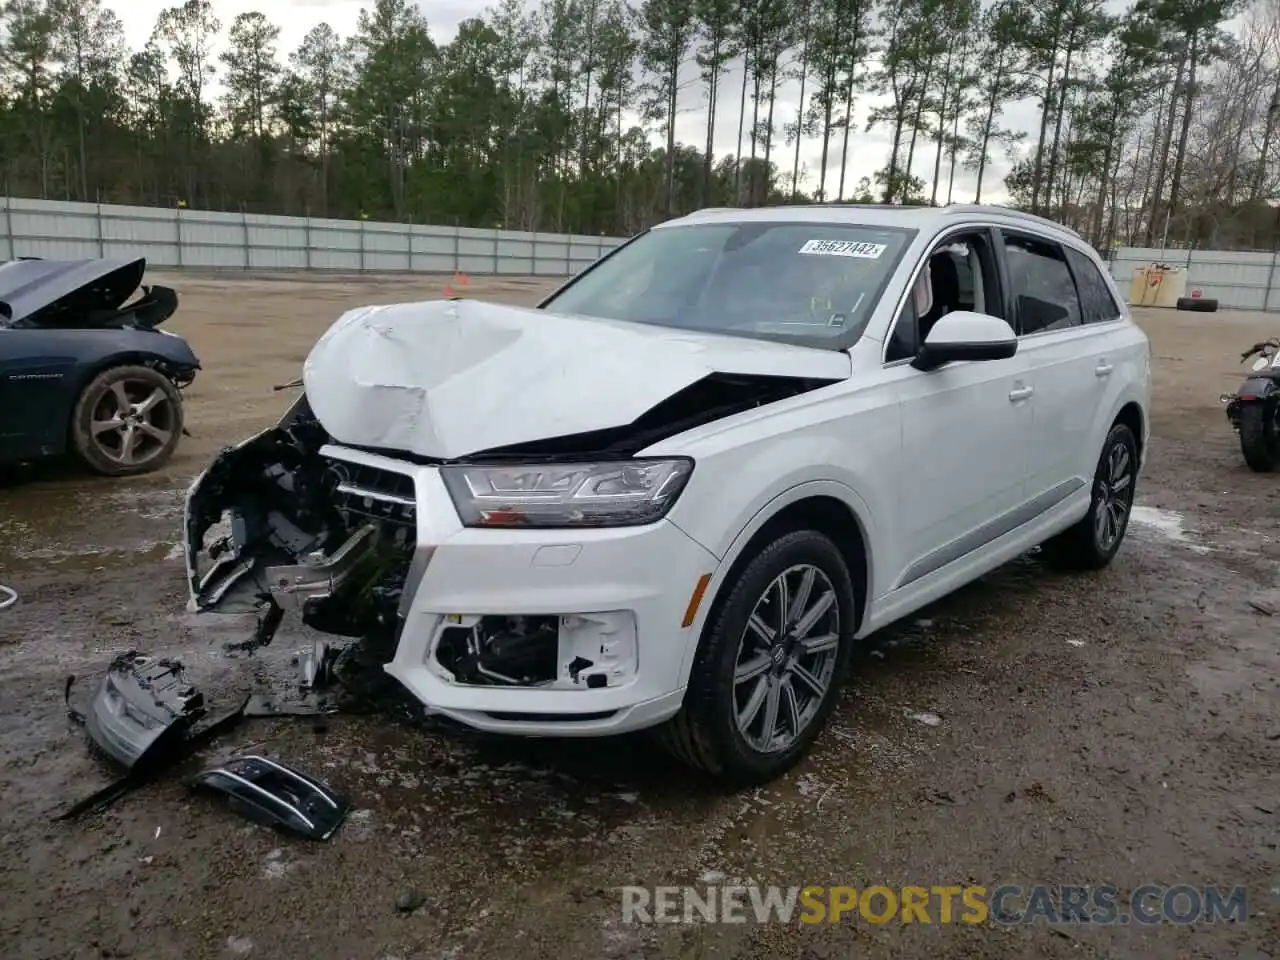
<point x="964" y="335"/>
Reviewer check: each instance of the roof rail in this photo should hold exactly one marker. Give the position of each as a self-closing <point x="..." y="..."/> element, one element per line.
<point x="877" y="206"/>
<point x="1009" y="212"/>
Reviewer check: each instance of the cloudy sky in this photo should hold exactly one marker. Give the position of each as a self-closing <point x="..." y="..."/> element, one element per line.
<point x="867" y="151"/>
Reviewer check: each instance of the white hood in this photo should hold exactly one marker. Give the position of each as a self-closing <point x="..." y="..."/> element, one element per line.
<point x="447" y="378"/>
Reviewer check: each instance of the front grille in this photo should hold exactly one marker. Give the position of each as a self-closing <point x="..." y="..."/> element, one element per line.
<point x="363" y="493"/>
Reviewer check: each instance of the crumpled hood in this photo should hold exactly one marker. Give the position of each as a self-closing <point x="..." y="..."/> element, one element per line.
<point x="448" y="378"/>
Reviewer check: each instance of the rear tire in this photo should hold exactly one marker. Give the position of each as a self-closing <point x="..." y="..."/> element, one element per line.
<point x="127" y="421"/>
<point x="1259" y="436"/>
<point x="1094" y="540"/>
<point x="792" y="679"/>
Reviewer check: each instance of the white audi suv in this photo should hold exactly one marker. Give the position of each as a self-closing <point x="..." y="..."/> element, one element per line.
<point x="679" y="492"/>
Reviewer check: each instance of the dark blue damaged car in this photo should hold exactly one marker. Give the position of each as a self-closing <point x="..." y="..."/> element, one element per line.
<point x="84" y="367"/>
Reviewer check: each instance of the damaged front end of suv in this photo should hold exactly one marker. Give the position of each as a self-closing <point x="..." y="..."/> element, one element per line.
<point x="291" y="523"/>
<point x="442" y="493"/>
<point x="276" y="524"/>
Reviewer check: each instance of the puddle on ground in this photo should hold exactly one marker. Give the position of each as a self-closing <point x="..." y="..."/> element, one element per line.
<point x="1166" y="524"/>
<point x="86" y="558"/>
<point x="62" y="527"/>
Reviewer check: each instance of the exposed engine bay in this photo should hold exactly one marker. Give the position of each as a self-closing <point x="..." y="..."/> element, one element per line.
<point x="318" y="536"/>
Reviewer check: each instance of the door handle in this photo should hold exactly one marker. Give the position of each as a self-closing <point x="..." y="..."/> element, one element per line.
<point x="1020" y="393"/>
<point x="1103" y="369"/>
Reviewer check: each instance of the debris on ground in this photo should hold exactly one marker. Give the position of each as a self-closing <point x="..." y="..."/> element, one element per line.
<point x="139" y="775"/>
<point x="928" y="719"/>
<point x="142" y="708"/>
<point x="409" y="900"/>
<point x="268" y="705"/>
<point x="271" y="793"/>
<point x="146" y="716"/>
<point x="315" y="665"/>
<point x="1037" y="792"/>
<point x="1266" y="603"/>
<point x="929" y="795"/>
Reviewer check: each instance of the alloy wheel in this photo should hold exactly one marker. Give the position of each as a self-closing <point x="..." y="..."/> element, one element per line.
<point x="786" y="658"/>
<point x="132" y="422"/>
<point x="1113" y="496"/>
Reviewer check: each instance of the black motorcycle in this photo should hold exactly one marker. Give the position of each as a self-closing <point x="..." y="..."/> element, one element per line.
<point x="1254" y="409"/>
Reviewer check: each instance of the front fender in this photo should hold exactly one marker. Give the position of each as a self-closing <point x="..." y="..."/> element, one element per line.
<point x="801" y="491"/>
<point x="129" y="347"/>
<point x="104" y="347"/>
<point x="162" y="345"/>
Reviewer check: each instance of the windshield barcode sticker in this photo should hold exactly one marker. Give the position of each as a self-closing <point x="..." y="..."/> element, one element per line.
<point x="844" y="248"/>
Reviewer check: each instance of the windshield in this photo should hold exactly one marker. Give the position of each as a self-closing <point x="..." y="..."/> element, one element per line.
<point x="809" y="283"/>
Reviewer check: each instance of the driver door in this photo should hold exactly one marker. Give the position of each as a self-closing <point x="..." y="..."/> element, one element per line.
<point x="33" y="388"/>
<point x="965" y="428"/>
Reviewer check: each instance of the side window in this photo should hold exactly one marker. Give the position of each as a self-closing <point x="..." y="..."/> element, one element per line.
<point x="963" y="257"/>
<point x="1096" y="299"/>
<point x="959" y="274"/>
<point x="1041" y="285"/>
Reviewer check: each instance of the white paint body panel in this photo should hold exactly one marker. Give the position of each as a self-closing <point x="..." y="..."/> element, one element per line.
<point x="1081" y="377"/>
<point x="965" y="435"/>
<point x="446" y="378"/>
<point x="964" y="326"/>
<point x="924" y="460"/>
<point x="639" y="569"/>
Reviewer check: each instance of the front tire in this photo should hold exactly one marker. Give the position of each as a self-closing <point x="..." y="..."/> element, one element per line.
<point x="1093" y="542"/>
<point x="1260" y="436"/>
<point x="769" y="665"/>
<point x="127" y="421"/>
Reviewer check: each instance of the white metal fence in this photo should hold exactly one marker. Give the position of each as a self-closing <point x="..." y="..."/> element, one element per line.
<point x="1237" y="280"/>
<point x="205" y="239"/>
<point x="58" y="230"/>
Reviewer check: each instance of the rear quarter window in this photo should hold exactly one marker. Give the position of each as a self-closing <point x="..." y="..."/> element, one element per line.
<point x="1096" y="300"/>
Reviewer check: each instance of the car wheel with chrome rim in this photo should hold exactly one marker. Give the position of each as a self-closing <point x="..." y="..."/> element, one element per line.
<point x="770" y="664"/>
<point x="128" y="420"/>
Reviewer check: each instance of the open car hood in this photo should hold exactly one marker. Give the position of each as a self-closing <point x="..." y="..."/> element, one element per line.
<point x="80" y="294"/>
<point x="447" y="379"/>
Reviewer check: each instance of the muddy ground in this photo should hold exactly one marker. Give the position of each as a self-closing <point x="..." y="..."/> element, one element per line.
<point x="1120" y="728"/>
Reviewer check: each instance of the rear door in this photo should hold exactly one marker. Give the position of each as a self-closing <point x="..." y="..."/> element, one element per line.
<point x="1067" y="361"/>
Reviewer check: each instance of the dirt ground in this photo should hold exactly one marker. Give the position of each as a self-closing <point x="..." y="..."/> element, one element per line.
<point x="1120" y="728"/>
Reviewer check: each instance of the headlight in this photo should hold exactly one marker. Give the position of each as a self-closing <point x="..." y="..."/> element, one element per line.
<point x="619" y="493"/>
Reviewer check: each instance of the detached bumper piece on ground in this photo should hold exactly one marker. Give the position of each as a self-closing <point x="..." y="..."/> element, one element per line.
<point x="143" y="709"/>
<point x="146" y="716"/>
<point x="271" y="793"/>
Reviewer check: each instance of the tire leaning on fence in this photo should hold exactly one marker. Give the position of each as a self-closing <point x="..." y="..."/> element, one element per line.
<point x="1198" y="304"/>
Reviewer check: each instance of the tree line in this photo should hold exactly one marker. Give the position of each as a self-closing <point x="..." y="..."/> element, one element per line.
<point x="1155" y="125"/>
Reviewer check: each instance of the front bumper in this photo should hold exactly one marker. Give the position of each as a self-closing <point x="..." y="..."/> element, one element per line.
<point x="621" y="597"/>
